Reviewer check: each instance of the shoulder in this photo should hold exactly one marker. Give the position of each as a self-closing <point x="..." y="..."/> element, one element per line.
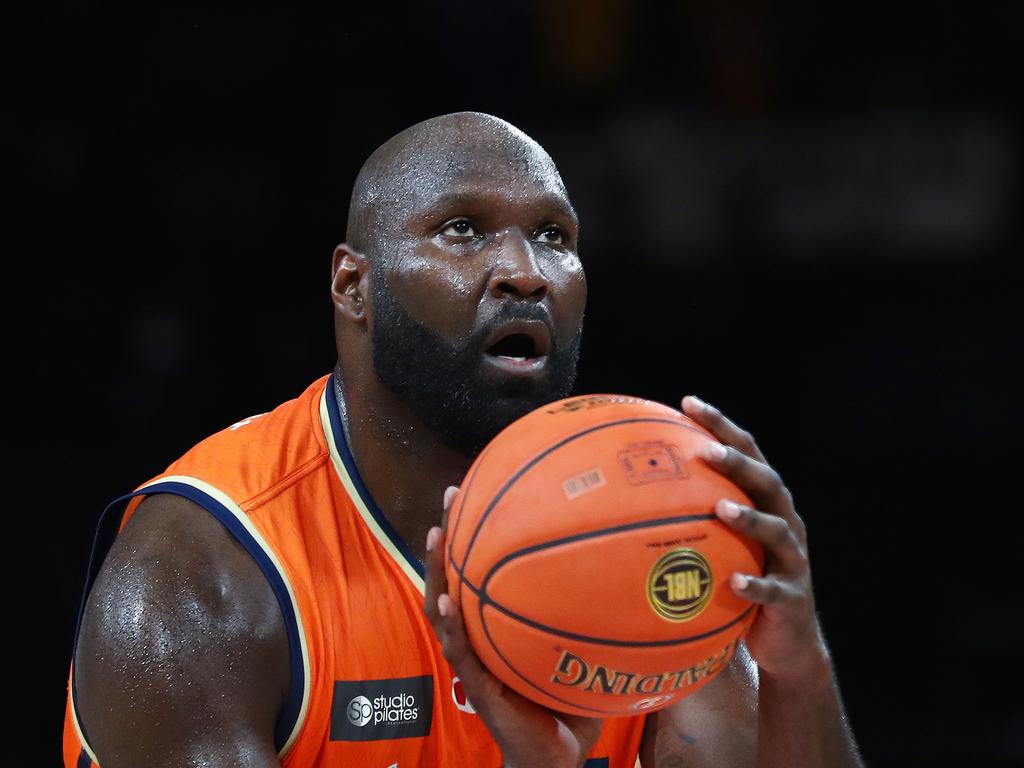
<point x="180" y="628"/>
<point x="261" y="452"/>
<point x="180" y="559"/>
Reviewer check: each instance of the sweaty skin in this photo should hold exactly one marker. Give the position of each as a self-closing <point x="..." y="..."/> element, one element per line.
<point x="182" y="657"/>
<point x="457" y="216"/>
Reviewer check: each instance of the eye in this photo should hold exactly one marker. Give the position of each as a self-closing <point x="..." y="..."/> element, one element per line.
<point x="551" y="234"/>
<point x="459" y="228"/>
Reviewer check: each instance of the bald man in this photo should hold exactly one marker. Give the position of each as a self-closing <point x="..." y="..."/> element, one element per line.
<point x="276" y="597"/>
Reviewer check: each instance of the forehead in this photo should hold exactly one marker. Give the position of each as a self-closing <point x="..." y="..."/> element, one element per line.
<point x="455" y="165"/>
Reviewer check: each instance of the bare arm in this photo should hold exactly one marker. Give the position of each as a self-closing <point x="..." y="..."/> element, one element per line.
<point x="717" y="726"/>
<point x="738" y="721"/>
<point x="799" y="718"/>
<point x="802" y="722"/>
<point x="182" y="657"/>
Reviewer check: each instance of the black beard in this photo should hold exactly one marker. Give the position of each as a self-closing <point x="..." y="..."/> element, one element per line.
<point x="450" y="389"/>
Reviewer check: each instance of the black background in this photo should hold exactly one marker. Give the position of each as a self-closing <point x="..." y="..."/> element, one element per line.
<point x="804" y="214"/>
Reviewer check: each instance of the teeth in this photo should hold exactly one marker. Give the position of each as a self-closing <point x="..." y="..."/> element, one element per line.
<point x="510" y="357"/>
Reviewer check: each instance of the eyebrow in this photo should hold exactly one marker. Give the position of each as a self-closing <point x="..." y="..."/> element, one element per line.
<point x="469" y="201"/>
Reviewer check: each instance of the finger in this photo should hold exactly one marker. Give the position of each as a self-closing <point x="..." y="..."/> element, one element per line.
<point x="721" y="427"/>
<point x="453" y="631"/>
<point x="773" y="532"/>
<point x="758" y="480"/>
<point x="586" y="730"/>
<point x="480" y="686"/>
<point x="442" y="611"/>
<point x="767" y="590"/>
<point x="435" y="583"/>
<point x="449" y="498"/>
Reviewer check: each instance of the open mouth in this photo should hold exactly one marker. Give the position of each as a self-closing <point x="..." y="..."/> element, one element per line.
<point x="521" y="345"/>
<point x="518" y="346"/>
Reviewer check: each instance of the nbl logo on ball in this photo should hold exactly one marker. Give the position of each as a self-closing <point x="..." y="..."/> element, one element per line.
<point x="679" y="584"/>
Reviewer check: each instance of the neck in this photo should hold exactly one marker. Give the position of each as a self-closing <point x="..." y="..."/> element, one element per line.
<point x="403" y="465"/>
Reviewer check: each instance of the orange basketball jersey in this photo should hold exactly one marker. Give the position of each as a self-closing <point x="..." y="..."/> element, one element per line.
<point x="369" y="684"/>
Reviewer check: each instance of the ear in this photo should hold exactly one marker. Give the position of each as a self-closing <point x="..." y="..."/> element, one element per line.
<point x="350" y="281"/>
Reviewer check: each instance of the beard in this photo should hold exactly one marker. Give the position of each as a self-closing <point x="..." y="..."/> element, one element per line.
<point x="452" y="389"/>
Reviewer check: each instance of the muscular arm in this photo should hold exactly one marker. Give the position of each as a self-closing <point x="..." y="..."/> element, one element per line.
<point x="716" y="727"/>
<point x="738" y="721"/>
<point x="182" y="658"/>
<point x="798" y="719"/>
<point x="804" y="723"/>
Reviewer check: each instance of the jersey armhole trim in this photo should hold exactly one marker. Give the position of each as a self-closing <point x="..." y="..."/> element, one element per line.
<point x="232" y="517"/>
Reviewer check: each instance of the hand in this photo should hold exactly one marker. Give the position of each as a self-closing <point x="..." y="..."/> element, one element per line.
<point x="527" y="733"/>
<point x="785" y="639"/>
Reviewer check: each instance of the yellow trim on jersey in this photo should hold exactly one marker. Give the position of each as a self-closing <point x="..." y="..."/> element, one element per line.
<point x="364" y="512"/>
<point x="78" y="728"/>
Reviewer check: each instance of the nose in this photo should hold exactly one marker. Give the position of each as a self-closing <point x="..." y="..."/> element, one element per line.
<point x="515" y="271"/>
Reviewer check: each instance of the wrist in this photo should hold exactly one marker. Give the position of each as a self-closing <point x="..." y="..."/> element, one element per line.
<point x="809" y="670"/>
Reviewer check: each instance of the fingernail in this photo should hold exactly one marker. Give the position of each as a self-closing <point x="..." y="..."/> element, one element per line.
<point x="432" y="535"/>
<point x="449" y="495"/>
<point x="442" y="607"/>
<point x="728" y="509"/>
<point x="739" y="581"/>
<point x="696" y="404"/>
<point x="713" y="451"/>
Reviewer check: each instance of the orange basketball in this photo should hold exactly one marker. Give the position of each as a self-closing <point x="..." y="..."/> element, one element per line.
<point x="590" y="568"/>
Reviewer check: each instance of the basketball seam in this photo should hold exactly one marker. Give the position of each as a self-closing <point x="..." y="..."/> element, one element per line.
<point x="464" y="494"/>
<point x="649" y="523"/>
<point x="537" y="458"/>
<point x="483" y="599"/>
<point x="606" y="641"/>
<point x="521" y="676"/>
<point x="525" y="679"/>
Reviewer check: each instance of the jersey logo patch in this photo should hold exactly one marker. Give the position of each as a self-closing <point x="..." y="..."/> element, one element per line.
<point x="377" y="710"/>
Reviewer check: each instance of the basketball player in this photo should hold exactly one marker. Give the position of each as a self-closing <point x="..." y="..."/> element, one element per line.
<point x="276" y="597"/>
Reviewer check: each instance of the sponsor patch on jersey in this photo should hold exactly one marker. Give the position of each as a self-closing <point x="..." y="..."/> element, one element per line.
<point x="376" y="710"/>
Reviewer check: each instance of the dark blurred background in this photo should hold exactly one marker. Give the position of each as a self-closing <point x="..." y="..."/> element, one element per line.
<point x="805" y="214"/>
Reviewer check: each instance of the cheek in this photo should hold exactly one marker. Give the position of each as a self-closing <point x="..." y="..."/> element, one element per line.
<point x="436" y="292"/>
<point x="569" y="283"/>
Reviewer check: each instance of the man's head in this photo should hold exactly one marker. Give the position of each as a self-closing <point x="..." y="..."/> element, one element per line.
<point x="460" y="276"/>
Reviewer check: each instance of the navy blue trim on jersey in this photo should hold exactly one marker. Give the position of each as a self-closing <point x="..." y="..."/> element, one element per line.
<point x="84" y="761"/>
<point x="350" y="466"/>
<point x="106" y="531"/>
<point x="290" y="712"/>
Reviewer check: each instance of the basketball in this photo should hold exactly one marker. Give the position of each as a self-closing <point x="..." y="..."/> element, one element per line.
<point x="589" y="565"/>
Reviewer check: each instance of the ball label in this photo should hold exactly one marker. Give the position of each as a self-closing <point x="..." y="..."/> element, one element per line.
<point x="584" y="482"/>
<point x="679" y="584"/>
<point x="653" y="461"/>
